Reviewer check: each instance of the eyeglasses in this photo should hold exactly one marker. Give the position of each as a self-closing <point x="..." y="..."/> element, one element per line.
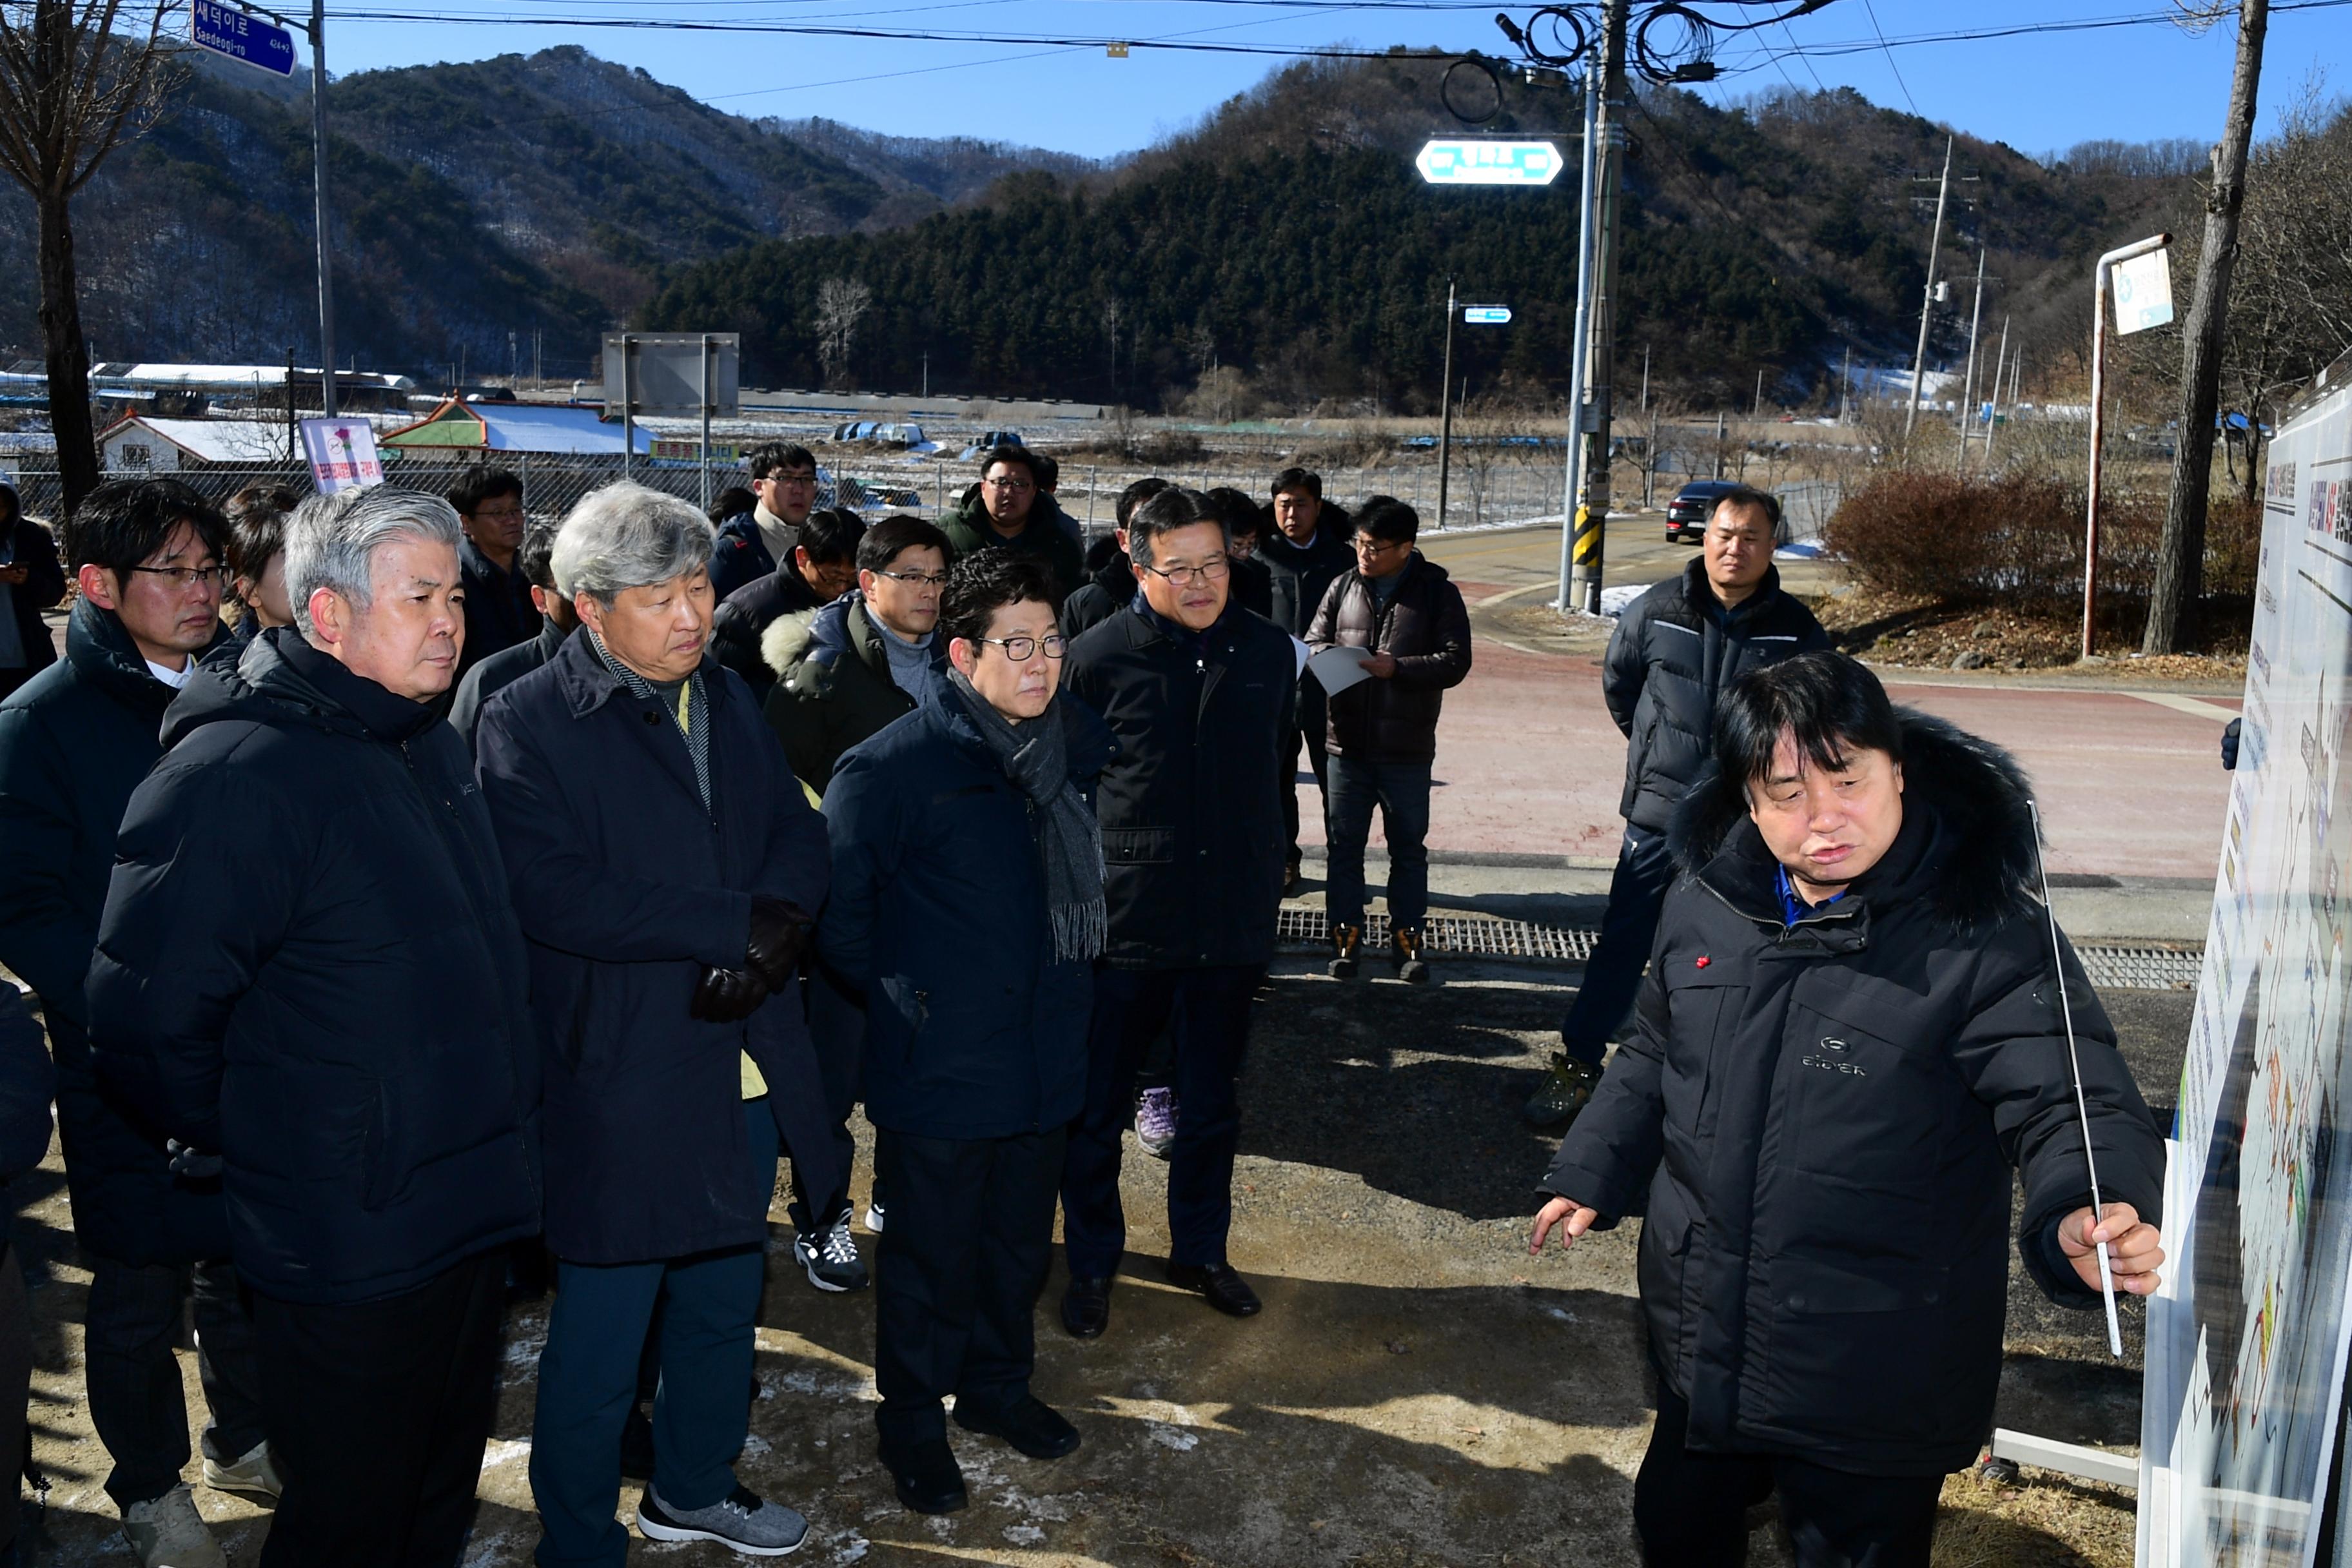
<point x="1009" y="484"/>
<point x="809" y="479"/>
<point x="920" y="579"/>
<point x="1367" y="545"/>
<point x="1207" y="572"/>
<point x="1021" y="650"/>
<point x="183" y="577"/>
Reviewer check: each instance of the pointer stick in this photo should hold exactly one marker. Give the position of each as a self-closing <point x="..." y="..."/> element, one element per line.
<point x="2082" y="1107"/>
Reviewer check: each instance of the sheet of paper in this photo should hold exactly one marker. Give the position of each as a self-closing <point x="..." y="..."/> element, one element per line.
<point x="1339" y="668"/>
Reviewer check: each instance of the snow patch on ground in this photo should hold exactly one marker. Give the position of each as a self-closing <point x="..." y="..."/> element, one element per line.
<point x="1174" y="1437"/>
<point x="500" y="1450"/>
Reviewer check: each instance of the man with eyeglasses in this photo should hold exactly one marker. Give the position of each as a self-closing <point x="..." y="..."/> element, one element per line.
<point x="75" y="741"/>
<point x="755" y="542"/>
<point x="500" y="613"/>
<point x="966" y="906"/>
<point x="1381" y="733"/>
<point x="1199" y="693"/>
<point x="1010" y="511"/>
<point x="857" y="665"/>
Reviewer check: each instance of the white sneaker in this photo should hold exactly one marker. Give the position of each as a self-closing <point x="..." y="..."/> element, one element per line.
<point x="251" y="1477"/>
<point x="873" y="1215"/>
<point x="168" y="1532"/>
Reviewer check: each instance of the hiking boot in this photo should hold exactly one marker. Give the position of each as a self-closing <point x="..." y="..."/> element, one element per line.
<point x="251" y="1477"/>
<point x="742" y="1520"/>
<point x="1155" y="1122"/>
<point x="1346" y="941"/>
<point x="168" y="1532"/>
<point x="830" y="1255"/>
<point x="1566" y="1089"/>
<point x="1404" y="951"/>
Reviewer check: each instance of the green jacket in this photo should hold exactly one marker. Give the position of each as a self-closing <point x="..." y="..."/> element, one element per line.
<point x="833" y="687"/>
<point x="1046" y="534"/>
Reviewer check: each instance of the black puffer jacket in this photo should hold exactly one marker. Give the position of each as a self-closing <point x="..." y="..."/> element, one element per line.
<point x="830" y="685"/>
<point x="1824" y="1118"/>
<point x="342" y="1017"/>
<point x="1192" y="822"/>
<point x="1302" y="575"/>
<point x="1676" y="650"/>
<point x="1110" y="590"/>
<point x="1427" y="627"/>
<point x="744" y="616"/>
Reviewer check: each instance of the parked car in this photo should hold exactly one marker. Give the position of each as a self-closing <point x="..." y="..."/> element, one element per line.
<point x="1686" y="514"/>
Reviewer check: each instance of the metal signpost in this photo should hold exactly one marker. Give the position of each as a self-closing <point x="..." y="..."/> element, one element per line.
<point x="240" y="33"/>
<point x="679" y="375"/>
<point x="2141" y="286"/>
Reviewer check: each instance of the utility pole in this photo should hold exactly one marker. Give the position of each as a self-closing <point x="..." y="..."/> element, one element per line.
<point x="1846" y="383"/>
<point x="319" y="186"/>
<point x="1591" y="518"/>
<point x="1757" y="410"/>
<point x="1968" y="382"/>
<point x="1646" y="378"/>
<point x="1571" y="536"/>
<point x="1999" y="371"/>
<point x="1445" y="409"/>
<point x="1927" y="295"/>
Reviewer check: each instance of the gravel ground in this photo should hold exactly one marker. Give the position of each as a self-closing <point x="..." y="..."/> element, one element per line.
<point x="1418" y="1391"/>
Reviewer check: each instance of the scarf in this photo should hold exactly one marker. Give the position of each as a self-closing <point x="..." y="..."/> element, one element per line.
<point x="1035" y="757"/>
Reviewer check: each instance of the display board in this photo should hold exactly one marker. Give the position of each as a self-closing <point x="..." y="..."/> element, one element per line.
<point x="2246" y="1342"/>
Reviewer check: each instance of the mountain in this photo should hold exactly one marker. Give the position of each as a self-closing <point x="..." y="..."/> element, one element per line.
<point x="546" y="193"/>
<point x="1288" y="235"/>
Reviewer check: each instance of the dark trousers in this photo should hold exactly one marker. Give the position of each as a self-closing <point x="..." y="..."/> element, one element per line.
<point x="1309" y="736"/>
<point x="1352" y="788"/>
<point x="378" y="1412"/>
<point x="137" y="1402"/>
<point x="1637" y="891"/>
<point x="588" y="1381"/>
<point x="16" y="1383"/>
<point x="1691" y="1508"/>
<point x="1211" y="1014"/>
<point x="957" y="1275"/>
<point x="837" y="1028"/>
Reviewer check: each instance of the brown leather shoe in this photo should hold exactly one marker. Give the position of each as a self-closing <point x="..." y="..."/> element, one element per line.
<point x="1404" y="951"/>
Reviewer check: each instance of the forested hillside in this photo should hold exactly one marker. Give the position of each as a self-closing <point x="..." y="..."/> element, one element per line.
<point x="1288" y="236"/>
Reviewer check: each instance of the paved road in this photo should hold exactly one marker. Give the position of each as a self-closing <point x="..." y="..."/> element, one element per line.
<point x="1528" y="760"/>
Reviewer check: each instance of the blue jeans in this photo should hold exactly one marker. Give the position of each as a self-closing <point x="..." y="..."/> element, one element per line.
<point x="1637" y="891"/>
<point x="1401" y="792"/>
<point x="588" y="1381"/>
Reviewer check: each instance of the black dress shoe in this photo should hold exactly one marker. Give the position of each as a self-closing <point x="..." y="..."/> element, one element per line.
<point x="1227" y="1291"/>
<point x="637" y="1446"/>
<point x="1029" y="1424"/>
<point x="1086" y="1308"/>
<point x="926" y="1477"/>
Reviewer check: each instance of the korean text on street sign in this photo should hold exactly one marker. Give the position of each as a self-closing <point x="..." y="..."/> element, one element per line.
<point x="1487" y="315"/>
<point x="341" y="453"/>
<point x="241" y="35"/>
<point x="2143" y="292"/>
<point x="1490" y="162"/>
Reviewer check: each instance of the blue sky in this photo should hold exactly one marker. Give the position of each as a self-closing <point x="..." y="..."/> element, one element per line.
<point x="2037" y="91"/>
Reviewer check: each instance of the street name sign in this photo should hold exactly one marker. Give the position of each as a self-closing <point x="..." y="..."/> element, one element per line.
<point x="1479" y="163"/>
<point x="1487" y="315"/>
<point x="241" y="35"/>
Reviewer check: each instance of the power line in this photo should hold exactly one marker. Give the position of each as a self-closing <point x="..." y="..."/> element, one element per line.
<point x="1872" y="11"/>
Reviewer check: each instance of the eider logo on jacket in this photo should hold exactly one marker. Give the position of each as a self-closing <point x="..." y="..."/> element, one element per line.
<point x="1829" y="1064"/>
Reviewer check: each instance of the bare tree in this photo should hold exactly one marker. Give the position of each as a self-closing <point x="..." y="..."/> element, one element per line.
<point x="2180" y="554"/>
<point x="1114" y="316"/>
<point x="841" y="304"/>
<point x="73" y="89"/>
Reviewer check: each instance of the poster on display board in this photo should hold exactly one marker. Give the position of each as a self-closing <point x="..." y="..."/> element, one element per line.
<point x="342" y="454"/>
<point x="2247" y="1339"/>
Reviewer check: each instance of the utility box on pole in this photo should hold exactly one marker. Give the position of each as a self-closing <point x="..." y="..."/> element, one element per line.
<point x="676" y="375"/>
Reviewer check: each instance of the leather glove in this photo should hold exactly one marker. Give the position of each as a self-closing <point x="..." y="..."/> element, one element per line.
<point x="728" y="995"/>
<point x="780" y="935"/>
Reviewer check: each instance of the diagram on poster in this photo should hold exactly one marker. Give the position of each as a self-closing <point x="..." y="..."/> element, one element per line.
<point x="2247" y="1341"/>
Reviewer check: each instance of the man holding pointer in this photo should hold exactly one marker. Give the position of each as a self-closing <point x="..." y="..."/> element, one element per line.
<point x="1852" y="1031"/>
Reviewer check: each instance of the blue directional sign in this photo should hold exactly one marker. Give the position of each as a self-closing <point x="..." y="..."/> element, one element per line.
<point x="241" y="35"/>
<point x="1486" y="315"/>
<point x="1478" y="163"/>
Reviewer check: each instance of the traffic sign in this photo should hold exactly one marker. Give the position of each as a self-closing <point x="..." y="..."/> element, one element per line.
<point x="1478" y="163"/>
<point x="1486" y="315"/>
<point x="241" y="35"/>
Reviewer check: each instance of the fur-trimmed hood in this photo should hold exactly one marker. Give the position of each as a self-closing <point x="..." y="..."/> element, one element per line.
<point x="1978" y="865"/>
<point x="789" y="638"/>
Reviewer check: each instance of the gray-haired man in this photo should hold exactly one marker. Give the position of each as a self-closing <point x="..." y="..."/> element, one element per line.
<point x="335" y="1023"/>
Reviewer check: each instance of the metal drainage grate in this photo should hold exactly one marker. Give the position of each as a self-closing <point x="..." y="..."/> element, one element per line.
<point x="1301" y="929"/>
